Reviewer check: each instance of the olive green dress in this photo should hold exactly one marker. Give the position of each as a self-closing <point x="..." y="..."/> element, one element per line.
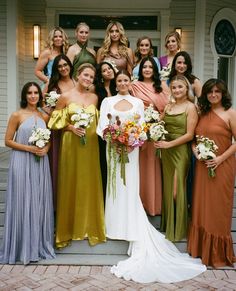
<point x="80" y="207"/>
<point x="175" y="160"/>
<point x="84" y="56"/>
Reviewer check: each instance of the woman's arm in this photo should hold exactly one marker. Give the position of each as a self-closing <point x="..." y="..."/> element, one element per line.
<point x="13" y="124"/>
<point x="99" y="56"/>
<point x="192" y="119"/>
<point x="197" y="88"/>
<point x="71" y="53"/>
<point x="40" y="65"/>
<point x="130" y="61"/>
<point x="214" y="163"/>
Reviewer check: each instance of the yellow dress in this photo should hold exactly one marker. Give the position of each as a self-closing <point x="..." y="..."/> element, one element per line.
<point x="80" y="207"/>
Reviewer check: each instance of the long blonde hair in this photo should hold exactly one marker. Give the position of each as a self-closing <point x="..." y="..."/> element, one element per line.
<point x="65" y="44"/>
<point x="123" y="41"/>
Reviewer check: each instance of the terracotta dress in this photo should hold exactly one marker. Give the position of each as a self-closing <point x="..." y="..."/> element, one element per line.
<point x="210" y="231"/>
<point x="175" y="161"/>
<point x="80" y="207"/>
<point x="150" y="166"/>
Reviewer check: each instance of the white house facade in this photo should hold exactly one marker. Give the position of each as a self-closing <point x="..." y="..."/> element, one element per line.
<point x="208" y="35"/>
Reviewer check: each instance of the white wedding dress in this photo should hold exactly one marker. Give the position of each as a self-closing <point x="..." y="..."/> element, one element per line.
<point x="152" y="257"/>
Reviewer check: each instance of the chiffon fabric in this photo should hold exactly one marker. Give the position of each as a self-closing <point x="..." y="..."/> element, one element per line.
<point x="150" y="164"/>
<point x="29" y="226"/>
<point x="152" y="257"/>
<point x="80" y="207"/>
<point x="163" y="60"/>
<point x="175" y="165"/>
<point x="210" y="231"/>
<point x="84" y="56"/>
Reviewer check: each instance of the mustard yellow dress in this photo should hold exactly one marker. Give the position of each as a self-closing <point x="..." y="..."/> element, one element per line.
<point x="80" y="207"/>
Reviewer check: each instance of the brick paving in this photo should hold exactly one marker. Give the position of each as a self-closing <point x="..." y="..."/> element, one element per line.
<point x="95" y="278"/>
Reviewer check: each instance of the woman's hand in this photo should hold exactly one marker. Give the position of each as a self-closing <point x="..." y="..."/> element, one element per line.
<point x="39" y="151"/>
<point x="214" y="163"/>
<point x="77" y="131"/>
<point x="162" y="144"/>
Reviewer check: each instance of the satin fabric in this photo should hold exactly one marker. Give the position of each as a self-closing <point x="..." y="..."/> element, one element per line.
<point x="84" y="56"/>
<point x="150" y="165"/>
<point x="210" y="231"/>
<point x="175" y="161"/>
<point x="80" y="207"/>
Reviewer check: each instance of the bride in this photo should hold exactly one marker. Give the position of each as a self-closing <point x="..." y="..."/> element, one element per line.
<point x="152" y="257"/>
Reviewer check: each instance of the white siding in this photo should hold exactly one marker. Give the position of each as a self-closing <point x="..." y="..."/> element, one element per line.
<point x="3" y="69"/>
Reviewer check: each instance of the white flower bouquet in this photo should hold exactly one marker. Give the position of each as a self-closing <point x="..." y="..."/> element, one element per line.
<point x="165" y="72"/>
<point x="206" y="149"/>
<point x="39" y="137"/>
<point x="51" y="98"/>
<point x="82" y="119"/>
<point x="151" y="115"/>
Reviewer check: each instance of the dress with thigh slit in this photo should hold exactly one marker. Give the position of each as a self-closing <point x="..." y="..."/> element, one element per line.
<point x="175" y="165"/>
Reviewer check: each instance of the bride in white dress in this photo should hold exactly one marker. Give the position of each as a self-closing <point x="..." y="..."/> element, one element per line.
<point x="152" y="257"/>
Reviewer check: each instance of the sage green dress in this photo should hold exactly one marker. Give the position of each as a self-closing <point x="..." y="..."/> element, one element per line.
<point x="84" y="56"/>
<point x="80" y="206"/>
<point x="175" y="160"/>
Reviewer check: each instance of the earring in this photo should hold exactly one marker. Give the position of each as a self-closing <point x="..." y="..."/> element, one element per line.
<point x="102" y="80"/>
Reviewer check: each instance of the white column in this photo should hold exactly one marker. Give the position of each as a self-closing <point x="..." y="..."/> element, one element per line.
<point x="12" y="55"/>
<point x="199" y="38"/>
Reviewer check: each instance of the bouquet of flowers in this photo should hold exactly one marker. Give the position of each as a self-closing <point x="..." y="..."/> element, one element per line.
<point x="165" y="72"/>
<point x="82" y="119"/>
<point x="155" y="127"/>
<point x="206" y="149"/>
<point x="39" y="137"/>
<point x="119" y="137"/>
<point x="51" y="98"/>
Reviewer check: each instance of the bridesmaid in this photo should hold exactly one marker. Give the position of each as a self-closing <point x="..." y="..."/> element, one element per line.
<point x="105" y="86"/>
<point x="210" y="231"/>
<point x="61" y="81"/>
<point x="173" y="45"/>
<point x="180" y="121"/>
<point x="28" y="230"/>
<point x="56" y="44"/>
<point x="79" y="52"/>
<point x="80" y="208"/>
<point x="150" y="90"/>
<point x="144" y="49"/>
<point x="115" y="48"/>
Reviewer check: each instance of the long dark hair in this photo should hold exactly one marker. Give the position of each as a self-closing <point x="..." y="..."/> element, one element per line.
<point x="156" y="76"/>
<point x="99" y="84"/>
<point x="56" y="76"/>
<point x="24" y="92"/>
<point x="204" y="104"/>
<point x="188" y="73"/>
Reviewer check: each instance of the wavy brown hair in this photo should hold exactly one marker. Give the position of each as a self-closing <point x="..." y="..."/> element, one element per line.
<point x="49" y="42"/>
<point x="204" y="104"/>
<point x="137" y="54"/>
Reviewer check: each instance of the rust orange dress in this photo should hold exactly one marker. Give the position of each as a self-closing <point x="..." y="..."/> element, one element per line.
<point x="150" y="166"/>
<point x="210" y="229"/>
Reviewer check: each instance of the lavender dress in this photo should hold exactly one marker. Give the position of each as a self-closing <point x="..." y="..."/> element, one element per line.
<point x="28" y="232"/>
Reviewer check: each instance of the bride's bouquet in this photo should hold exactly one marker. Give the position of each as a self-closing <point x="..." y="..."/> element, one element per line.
<point x="120" y="136"/>
<point x="82" y="119"/>
<point x="206" y="149"/>
<point x="51" y="98"/>
<point x="155" y="127"/>
<point x="39" y="137"/>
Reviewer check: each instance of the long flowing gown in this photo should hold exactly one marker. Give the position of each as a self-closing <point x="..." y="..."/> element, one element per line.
<point x="84" y="56"/>
<point x="210" y="230"/>
<point x="29" y="226"/>
<point x="80" y="207"/>
<point x="175" y="163"/>
<point x="152" y="257"/>
<point x="150" y="165"/>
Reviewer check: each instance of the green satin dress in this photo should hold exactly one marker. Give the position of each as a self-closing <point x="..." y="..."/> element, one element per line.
<point x="84" y="56"/>
<point x="176" y="160"/>
<point x="80" y="206"/>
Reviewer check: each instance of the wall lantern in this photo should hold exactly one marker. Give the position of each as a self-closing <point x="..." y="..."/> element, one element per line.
<point x="36" y="41"/>
<point x="179" y="30"/>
